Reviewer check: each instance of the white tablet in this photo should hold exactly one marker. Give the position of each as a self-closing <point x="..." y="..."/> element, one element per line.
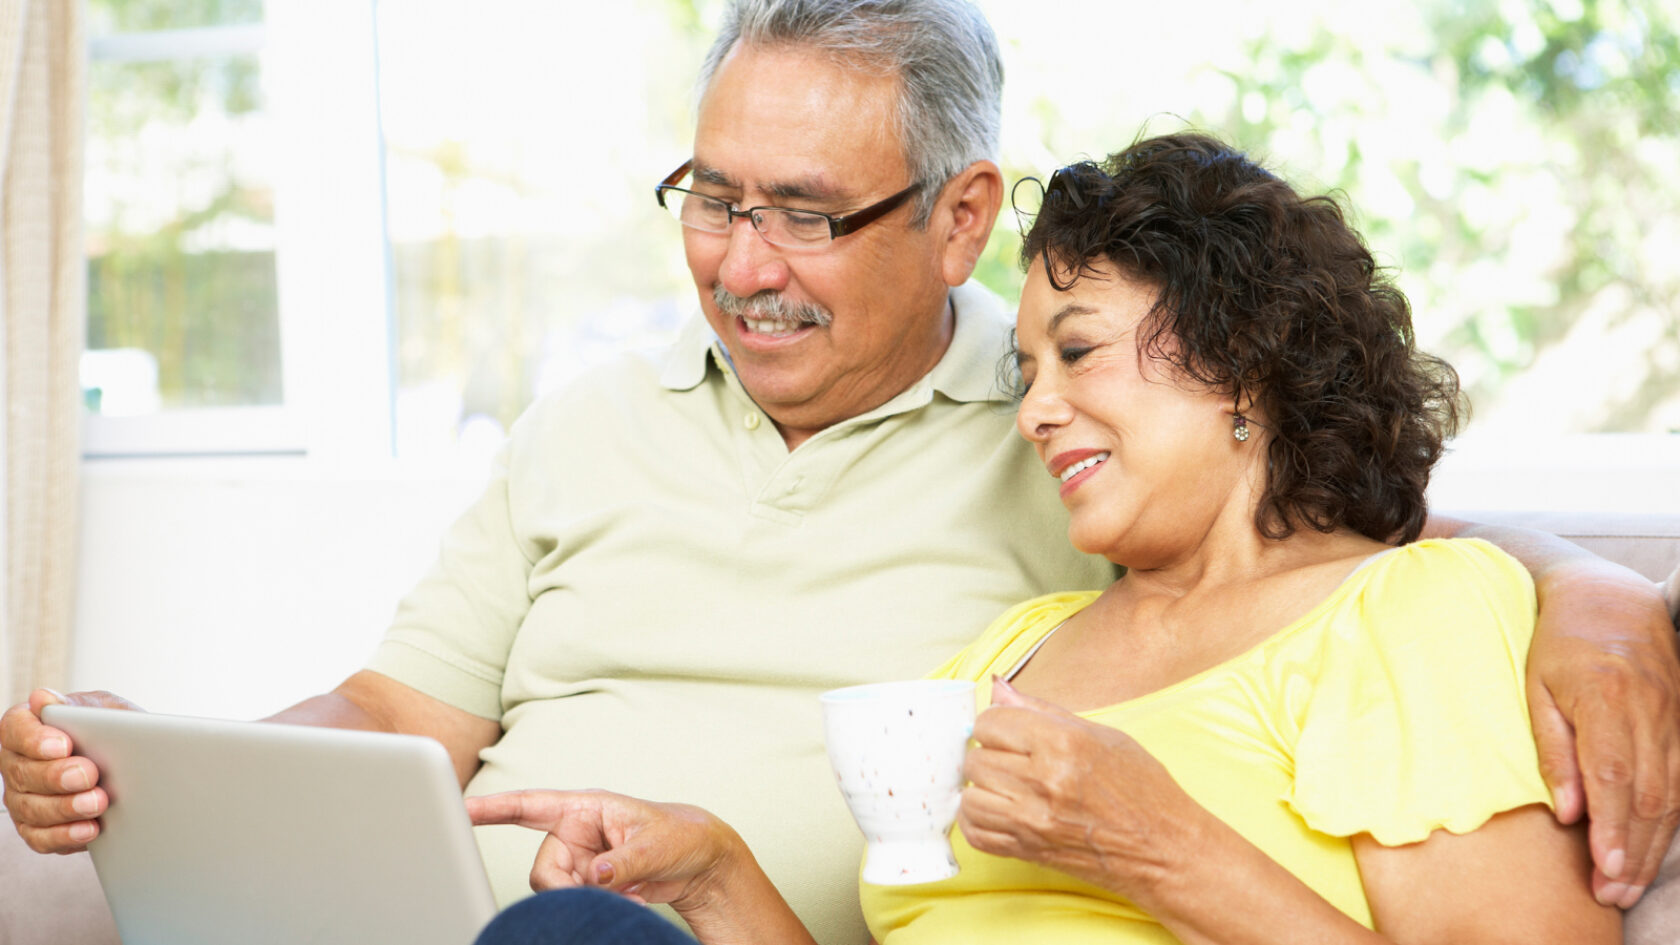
<point x="256" y="833"/>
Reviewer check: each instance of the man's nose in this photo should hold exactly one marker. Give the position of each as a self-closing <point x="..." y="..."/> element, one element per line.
<point x="750" y="264"/>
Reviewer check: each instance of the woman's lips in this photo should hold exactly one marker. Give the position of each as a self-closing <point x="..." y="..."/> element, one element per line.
<point x="1076" y="466"/>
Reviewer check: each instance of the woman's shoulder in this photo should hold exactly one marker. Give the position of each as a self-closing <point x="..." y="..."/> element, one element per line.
<point x="1448" y="568"/>
<point x="1445" y="597"/>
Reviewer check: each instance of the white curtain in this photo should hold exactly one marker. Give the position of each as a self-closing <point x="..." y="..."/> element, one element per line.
<point x="42" y="325"/>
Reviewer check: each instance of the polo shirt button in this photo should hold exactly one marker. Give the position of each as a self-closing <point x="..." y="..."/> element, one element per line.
<point x="750" y="421"/>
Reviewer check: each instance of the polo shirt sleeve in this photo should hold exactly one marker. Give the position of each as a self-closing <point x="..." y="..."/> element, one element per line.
<point x="451" y="634"/>
<point x="1418" y="717"/>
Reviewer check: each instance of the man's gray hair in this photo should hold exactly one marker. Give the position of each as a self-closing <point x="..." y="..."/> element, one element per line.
<point x="950" y="100"/>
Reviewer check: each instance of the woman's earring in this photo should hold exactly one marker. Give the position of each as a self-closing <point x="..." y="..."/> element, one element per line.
<point x="1239" y="427"/>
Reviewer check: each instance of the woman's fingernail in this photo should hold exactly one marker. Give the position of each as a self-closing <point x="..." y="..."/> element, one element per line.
<point x="82" y="833"/>
<point x="1613" y="863"/>
<point x="85" y="803"/>
<point x="1631" y="897"/>
<point x="604" y="874"/>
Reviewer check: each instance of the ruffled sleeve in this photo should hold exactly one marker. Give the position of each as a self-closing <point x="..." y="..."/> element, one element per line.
<point x="1416" y="717"/>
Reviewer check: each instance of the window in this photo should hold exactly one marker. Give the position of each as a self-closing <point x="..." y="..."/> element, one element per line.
<point x="462" y="213"/>
<point x="525" y="239"/>
<point x="236" y="264"/>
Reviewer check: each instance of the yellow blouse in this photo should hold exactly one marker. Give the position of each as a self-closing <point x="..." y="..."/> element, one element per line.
<point x="1395" y="708"/>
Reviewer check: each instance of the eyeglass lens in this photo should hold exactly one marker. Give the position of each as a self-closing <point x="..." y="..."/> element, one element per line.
<point x="777" y="225"/>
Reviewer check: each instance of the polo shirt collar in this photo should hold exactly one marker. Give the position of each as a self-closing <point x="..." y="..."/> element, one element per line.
<point x="969" y="371"/>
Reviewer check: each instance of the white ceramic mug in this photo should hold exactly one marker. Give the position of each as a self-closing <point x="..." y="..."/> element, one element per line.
<point x="897" y="750"/>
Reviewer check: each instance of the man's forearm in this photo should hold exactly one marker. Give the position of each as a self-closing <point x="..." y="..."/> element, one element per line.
<point x="1546" y="556"/>
<point x="372" y="702"/>
<point x="329" y="710"/>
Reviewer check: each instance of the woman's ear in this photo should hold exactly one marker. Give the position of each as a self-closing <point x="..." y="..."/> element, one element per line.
<point x="968" y="206"/>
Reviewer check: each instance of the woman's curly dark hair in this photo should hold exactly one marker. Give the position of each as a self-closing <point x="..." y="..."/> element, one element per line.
<point x="1273" y="299"/>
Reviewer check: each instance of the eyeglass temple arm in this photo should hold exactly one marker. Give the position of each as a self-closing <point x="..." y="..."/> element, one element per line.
<point x="846" y="224"/>
<point x="671" y="180"/>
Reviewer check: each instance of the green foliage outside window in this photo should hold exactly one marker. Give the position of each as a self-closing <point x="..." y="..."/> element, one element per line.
<point x="1533" y="213"/>
<point x="179" y="232"/>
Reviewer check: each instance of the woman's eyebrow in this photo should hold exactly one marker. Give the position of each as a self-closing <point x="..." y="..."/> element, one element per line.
<point x="1070" y="310"/>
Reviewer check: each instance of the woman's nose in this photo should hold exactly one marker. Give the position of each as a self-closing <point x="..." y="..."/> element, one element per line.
<point x="1042" y="410"/>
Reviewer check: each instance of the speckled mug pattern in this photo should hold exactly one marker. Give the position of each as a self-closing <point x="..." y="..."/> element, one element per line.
<point x="897" y="750"/>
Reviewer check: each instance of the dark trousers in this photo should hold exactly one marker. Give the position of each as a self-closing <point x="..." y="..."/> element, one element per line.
<point x="581" y="916"/>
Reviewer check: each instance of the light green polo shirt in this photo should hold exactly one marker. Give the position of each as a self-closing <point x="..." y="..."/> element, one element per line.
<point x="653" y="590"/>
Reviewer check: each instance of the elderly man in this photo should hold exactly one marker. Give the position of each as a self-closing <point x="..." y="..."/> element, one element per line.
<point x="817" y="485"/>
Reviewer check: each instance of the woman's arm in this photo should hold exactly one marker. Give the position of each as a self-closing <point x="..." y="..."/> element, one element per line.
<point x="1604" y="695"/>
<point x="1520" y="877"/>
<point x="670" y="853"/>
<point x="1051" y="788"/>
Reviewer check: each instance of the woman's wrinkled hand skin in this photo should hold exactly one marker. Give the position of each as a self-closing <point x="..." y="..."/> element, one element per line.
<point x="649" y="852"/>
<point x="1051" y="788"/>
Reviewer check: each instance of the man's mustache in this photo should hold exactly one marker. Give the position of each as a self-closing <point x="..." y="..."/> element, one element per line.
<point x="772" y="305"/>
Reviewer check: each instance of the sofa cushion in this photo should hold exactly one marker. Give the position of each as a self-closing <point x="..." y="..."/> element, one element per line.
<point x="50" y="900"/>
<point x="1656" y="919"/>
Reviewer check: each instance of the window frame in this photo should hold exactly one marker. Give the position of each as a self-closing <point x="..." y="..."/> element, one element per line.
<point x="319" y="67"/>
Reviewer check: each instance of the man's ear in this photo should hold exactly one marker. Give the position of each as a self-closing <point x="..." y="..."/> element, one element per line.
<point x="968" y="206"/>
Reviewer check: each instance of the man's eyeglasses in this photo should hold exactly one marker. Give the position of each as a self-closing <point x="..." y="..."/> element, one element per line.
<point x="798" y="229"/>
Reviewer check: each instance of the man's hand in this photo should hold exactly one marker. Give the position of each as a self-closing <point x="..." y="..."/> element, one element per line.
<point x="1604" y="694"/>
<point x="53" y="795"/>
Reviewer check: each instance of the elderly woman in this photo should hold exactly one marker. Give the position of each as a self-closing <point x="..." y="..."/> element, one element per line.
<point x="1289" y="720"/>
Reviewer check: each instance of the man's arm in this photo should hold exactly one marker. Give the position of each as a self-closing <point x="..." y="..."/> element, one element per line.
<point x="1604" y="696"/>
<point x="376" y="702"/>
<point x="54" y="797"/>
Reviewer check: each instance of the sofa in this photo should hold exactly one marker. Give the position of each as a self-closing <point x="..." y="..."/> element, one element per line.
<point x="51" y="900"/>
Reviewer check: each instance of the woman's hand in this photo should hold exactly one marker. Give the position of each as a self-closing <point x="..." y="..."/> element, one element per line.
<point x="1049" y="787"/>
<point x="650" y="852"/>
